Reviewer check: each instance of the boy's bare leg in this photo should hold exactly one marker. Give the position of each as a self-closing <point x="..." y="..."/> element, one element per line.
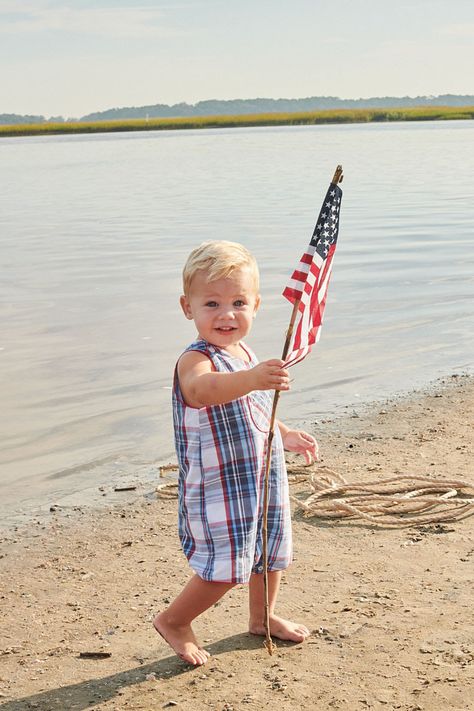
<point x="283" y="629"/>
<point x="174" y="623"/>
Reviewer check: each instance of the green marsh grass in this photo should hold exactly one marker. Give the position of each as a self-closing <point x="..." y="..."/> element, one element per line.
<point x="432" y="113"/>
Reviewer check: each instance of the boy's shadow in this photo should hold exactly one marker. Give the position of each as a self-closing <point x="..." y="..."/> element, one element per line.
<point x="86" y="694"/>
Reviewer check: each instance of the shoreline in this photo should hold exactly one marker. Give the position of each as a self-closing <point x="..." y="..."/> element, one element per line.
<point x="389" y="609"/>
<point x="300" y="118"/>
<point x="142" y="485"/>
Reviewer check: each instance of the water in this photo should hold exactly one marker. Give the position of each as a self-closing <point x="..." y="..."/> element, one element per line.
<point x="93" y="234"/>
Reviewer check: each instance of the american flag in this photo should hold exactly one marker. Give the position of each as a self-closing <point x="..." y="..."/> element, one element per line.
<point x="310" y="280"/>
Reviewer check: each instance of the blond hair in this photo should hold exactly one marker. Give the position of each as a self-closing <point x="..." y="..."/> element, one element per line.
<point x="219" y="259"/>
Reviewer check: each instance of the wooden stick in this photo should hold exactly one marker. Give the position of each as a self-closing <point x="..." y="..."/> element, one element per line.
<point x="268" y="639"/>
<point x="337" y="177"/>
<point x="270" y="646"/>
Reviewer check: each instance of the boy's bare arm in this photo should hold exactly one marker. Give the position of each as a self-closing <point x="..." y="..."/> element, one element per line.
<point x="201" y="386"/>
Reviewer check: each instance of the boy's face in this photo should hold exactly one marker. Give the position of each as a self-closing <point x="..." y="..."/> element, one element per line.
<point x="223" y="310"/>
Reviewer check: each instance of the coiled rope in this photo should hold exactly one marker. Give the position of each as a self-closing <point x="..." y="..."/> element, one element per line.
<point x="399" y="501"/>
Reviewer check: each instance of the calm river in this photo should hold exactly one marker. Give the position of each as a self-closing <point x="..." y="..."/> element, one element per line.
<point x="93" y="234"/>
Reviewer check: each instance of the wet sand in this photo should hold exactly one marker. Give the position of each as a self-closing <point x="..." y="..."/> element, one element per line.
<point x="390" y="609"/>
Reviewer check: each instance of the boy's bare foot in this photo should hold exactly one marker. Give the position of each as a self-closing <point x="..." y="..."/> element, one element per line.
<point x="283" y="629"/>
<point x="182" y="640"/>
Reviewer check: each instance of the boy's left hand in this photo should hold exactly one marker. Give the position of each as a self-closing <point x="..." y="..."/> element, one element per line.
<point x="302" y="443"/>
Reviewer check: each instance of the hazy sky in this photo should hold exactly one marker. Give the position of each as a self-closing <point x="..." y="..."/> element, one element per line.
<point x="73" y="57"/>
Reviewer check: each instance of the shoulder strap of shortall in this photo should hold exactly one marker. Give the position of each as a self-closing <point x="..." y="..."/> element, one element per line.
<point x="215" y="355"/>
<point x="199" y="345"/>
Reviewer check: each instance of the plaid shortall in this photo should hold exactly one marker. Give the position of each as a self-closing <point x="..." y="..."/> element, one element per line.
<point x="221" y="453"/>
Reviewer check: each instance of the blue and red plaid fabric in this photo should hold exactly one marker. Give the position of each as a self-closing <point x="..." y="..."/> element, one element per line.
<point x="221" y="454"/>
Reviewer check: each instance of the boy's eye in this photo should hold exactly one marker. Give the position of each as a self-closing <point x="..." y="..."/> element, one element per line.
<point x="212" y="304"/>
<point x="239" y="303"/>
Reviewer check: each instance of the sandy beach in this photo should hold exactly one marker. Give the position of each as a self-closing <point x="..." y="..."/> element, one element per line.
<point x="390" y="609"/>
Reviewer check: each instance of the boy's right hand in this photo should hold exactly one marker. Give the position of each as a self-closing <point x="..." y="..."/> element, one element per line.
<point x="270" y="375"/>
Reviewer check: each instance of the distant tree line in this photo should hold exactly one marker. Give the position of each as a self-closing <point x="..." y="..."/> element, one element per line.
<point x="15" y="119"/>
<point x="249" y="106"/>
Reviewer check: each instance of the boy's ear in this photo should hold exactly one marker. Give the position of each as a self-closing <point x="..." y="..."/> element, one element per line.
<point x="257" y="305"/>
<point x="186" y="306"/>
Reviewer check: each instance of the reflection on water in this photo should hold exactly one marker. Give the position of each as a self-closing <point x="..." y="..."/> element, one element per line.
<point x="94" y="231"/>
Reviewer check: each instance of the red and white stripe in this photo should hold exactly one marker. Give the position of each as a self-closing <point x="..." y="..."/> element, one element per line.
<point x="308" y="284"/>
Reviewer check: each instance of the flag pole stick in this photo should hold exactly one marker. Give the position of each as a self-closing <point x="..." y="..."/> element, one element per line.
<point x="337" y="177"/>
<point x="268" y="639"/>
<point x="269" y="645"/>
